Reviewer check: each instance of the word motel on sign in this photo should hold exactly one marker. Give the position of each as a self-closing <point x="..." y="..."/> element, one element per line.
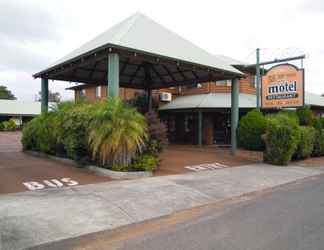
<point x="52" y="183"/>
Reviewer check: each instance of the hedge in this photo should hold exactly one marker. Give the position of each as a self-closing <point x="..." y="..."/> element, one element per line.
<point x="282" y="138"/>
<point x="306" y="142"/>
<point x="305" y="116"/>
<point x="251" y="127"/>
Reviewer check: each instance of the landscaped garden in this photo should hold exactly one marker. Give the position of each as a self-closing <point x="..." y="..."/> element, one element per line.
<point x="110" y="134"/>
<point x="9" y="125"/>
<point x="285" y="136"/>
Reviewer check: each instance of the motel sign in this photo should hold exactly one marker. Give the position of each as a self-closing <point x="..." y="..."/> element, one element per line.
<point x="283" y="86"/>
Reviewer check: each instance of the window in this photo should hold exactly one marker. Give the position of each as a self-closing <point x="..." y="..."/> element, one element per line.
<point x="224" y="83"/>
<point x="98" y="91"/>
<point x="82" y="93"/>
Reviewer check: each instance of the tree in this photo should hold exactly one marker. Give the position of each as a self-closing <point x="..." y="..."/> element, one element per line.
<point x="52" y="96"/>
<point x="6" y="93"/>
<point x="117" y="133"/>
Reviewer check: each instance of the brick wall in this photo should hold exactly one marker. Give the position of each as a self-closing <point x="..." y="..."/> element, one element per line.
<point x="246" y="86"/>
<point x="90" y="93"/>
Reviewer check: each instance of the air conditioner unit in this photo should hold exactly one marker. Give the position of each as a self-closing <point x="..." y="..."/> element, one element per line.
<point x="165" y="97"/>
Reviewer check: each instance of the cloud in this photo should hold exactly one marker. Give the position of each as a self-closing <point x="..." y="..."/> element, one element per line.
<point x="15" y="55"/>
<point x="25" y="21"/>
<point x="313" y="5"/>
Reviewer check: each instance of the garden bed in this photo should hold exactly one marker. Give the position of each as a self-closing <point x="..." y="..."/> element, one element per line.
<point x="96" y="169"/>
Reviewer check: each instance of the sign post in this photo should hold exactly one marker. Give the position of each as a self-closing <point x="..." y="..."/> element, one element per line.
<point x="258" y="78"/>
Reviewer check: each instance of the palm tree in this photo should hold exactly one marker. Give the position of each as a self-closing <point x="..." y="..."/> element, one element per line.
<point x="117" y="133"/>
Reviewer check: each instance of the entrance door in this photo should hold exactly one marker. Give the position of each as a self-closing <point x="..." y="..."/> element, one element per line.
<point x="222" y="128"/>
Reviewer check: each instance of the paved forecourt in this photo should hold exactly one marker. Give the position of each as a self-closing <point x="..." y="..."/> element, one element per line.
<point x="21" y="172"/>
<point x="36" y="217"/>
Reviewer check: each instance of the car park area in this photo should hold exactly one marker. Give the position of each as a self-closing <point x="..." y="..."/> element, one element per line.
<point x="22" y="172"/>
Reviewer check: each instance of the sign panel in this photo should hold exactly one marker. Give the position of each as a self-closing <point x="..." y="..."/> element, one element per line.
<point x="283" y="86"/>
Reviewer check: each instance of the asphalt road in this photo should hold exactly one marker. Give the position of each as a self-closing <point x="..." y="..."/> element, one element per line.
<point x="290" y="217"/>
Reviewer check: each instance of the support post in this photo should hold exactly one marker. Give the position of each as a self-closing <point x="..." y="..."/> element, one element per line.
<point x="149" y="99"/>
<point x="258" y="78"/>
<point x="113" y="75"/>
<point x="200" y="125"/>
<point x="44" y="96"/>
<point x="234" y="114"/>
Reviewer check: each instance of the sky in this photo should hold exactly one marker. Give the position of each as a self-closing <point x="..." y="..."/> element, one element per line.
<point x="35" y="33"/>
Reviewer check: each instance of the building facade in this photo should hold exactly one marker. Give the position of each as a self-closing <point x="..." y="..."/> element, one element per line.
<point x="183" y="122"/>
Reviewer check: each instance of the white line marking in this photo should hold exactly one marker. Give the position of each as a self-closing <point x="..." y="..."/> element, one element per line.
<point x="206" y="166"/>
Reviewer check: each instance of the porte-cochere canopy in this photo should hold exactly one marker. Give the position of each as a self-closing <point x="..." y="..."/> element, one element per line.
<point x="150" y="56"/>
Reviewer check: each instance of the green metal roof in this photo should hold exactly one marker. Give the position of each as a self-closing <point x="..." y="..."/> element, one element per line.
<point x="142" y="34"/>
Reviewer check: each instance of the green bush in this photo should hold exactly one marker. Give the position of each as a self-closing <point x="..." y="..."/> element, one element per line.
<point x="59" y="132"/>
<point x="9" y="125"/>
<point x="306" y="143"/>
<point x="110" y="133"/>
<point x="29" y="140"/>
<point x="305" y="116"/>
<point x="251" y="128"/>
<point x="317" y="123"/>
<point x="74" y="123"/>
<point x="281" y="139"/>
<point x="157" y="131"/>
<point x="318" y="149"/>
<point x="291" y="114"/>
<point x="145" y="162"/>
<point x="1" y="126"/>
<point x="40" y="134"/>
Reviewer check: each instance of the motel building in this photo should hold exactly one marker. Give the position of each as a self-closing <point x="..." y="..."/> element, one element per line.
<point x="181" y="108"/>
<point x="200" y="96"/>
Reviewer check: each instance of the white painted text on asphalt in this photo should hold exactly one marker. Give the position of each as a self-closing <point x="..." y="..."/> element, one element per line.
<point x="52" y="183"/>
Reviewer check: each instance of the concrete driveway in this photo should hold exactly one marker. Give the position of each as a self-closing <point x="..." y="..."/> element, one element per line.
<point x="21" y="172"/>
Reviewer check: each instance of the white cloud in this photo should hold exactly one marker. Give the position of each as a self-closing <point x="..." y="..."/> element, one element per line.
<point x="41" y="31"/>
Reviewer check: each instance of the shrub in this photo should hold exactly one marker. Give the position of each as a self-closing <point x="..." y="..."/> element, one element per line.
<point x="306" y="143"/>
<point x="40" y="134"/>
<point x="291" y="114"/>
<point x="117" y="133"/>
<point x="281" y="139"/>
<point x="75" y="121"/>
<point x="59" y="132"/>
<point x="1" y="126"/>
<point x="317" y="123"/>
<point x="29" y="139"/>
<point x="9" y="125"/>
<point x="318" y="149"/>
<point x="251" y="127"/>
<point x="157" y="130"/>
<point x="305" y="116"/>
<point x="145" y="162"/>
<point x="111" y="133"/>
